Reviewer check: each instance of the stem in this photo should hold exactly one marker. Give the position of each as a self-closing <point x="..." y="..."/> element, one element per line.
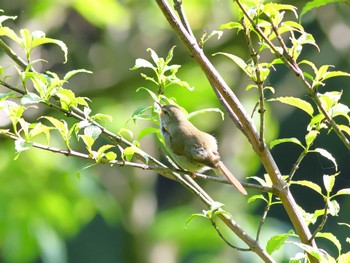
<point x="293" y="65"/>
<point x="247" y="125"/>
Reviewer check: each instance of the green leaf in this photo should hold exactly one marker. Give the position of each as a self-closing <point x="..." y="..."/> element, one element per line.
<point x="328" y="182"/>
<point x="74" y="72"/>
<point x="8" y="32"/>
<point x="310" y="137"/>
<point x="296" y="102"/>
<point x="333" y="207"/>
<point x="44" y="40"/>
<point x="30" y="98"/>
<point x="319" y="254"/>
<point x="153" y="95"/>
<point x="154" y="55"/>
<point x="284" y="140"/>
<point x="327" y="155"/>
<point x="256" y="197"/>
<point x="198" y="112"/>
<point x="277" y="241"/>
<point x="147" y="131"/>
<point x="92" y="131"/>
<point x="101" y="152"/>
<point x="126" y="134"/>
<point x="111" y="156"/>
<point x="240" y="62"/>
<point x="22" y="145"/>
<point x="331" y="238"/>
<point x="142" y="63"/>
<point x="309" y="184"/>
<point x="88" y="141"/>
<point x="4" y="18"/>
<point x="345" y="191"/>
<point x="231" y="25"/>
<point x="170" y="55"/>
<point x="310" y="5"/>
<point x="128" y="153"/>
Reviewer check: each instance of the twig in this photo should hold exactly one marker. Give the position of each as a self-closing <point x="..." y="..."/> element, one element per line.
<point x="292" y="64"/>
<point x="266" y="158"/>
<point x="225" y="240"/>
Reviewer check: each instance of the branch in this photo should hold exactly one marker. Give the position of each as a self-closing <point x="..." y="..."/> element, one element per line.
<point x="293" y="65"/>
<point x="242" y="117"/>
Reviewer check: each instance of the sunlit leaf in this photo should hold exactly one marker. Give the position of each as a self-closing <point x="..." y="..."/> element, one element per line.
<point x="240" y="62"/>
<point x="298" y="103"/>
<point x="331" y="237"/>
<point x="333" y="207"/>
<point x="128" y="153"/>
<point x="126" y="134"/>
<point x="142" y="63"/>
<point x="327" y="155"/>
<point x="285" y="140"/>
<point x="310" y="137"/>
<point x="277" y="241"/>
<point x="345" y="191"/>
<point x="74" y="72"/>
<point x="328" y="182"/>
<point x="310" y="5"/>
<point x="198" y="112"/>
<point x="310" y="185"/>
<point x="30" y="98"/>
<point x="231" y="25"/>
<point x="92" y="131"/>
<point x="256" y="197"/>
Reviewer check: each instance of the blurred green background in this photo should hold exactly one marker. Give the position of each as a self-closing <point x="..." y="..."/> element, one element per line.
<point x="48" y="214"/>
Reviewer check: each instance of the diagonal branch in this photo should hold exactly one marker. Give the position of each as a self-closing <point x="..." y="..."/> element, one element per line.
<point x="242" y="117"/>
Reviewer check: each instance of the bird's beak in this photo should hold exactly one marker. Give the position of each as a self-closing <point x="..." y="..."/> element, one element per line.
<point x="160" y="106"/>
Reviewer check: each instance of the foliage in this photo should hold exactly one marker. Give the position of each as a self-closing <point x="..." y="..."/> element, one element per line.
<point x="274" y="37"/>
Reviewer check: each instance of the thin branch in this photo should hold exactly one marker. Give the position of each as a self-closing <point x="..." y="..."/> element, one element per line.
<point x="262" y="221"/>
<point x="179" y="9"/>
<point x="323" y="222"/>
<point x="259" y="83"/>
<point x="292" y="64"/>
<point x="225" y="240"/>
<point x="266" y="158"/>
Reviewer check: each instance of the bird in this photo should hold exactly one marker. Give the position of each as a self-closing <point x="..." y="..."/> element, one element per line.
<point x="191" y="148"/>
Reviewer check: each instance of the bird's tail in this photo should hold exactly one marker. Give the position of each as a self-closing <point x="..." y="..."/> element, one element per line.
<point x="222" y="169"/>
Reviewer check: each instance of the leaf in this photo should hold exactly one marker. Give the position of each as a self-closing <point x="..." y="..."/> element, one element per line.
<point x="22" y="145"/>
<point x="43" y="40"/>
<point x="126" y="134"/>
<point x="310" y="5"/>
<point x="88" y="141"/>
<point x="344" y="258"/>
<point x="4" y="18"/>
<point x="101" y="152"/>
<point x="309" y="184"/>
<point x="327" y="155"/>
<point x="284" y="140"/>
<point x="296" y="102"/>
<point x="147" y="131"/>
<point x="321" y="255"/>
<point x="153" y="95"/>
<point x="328" y="182"/>
<point x="142" y="63"/>
<point x="198" y="112"/>
<point x="74" y="72"/>
<point x="310" y="137"/>
<point x="345" y="191"/>
<point x="128" y="153"/>
<point x="92" y="131"/>
<point x="30" y="98"/>
<point x="256" y="197"/>
<point x="333" y="207"/>
<point x="240" y="62"/>
<point x="277" y="241"/>
<point x="331" y="238"/>
<point x="231" y="25"/>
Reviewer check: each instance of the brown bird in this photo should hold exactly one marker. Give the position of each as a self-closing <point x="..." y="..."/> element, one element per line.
<point x="192" y="149"/>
